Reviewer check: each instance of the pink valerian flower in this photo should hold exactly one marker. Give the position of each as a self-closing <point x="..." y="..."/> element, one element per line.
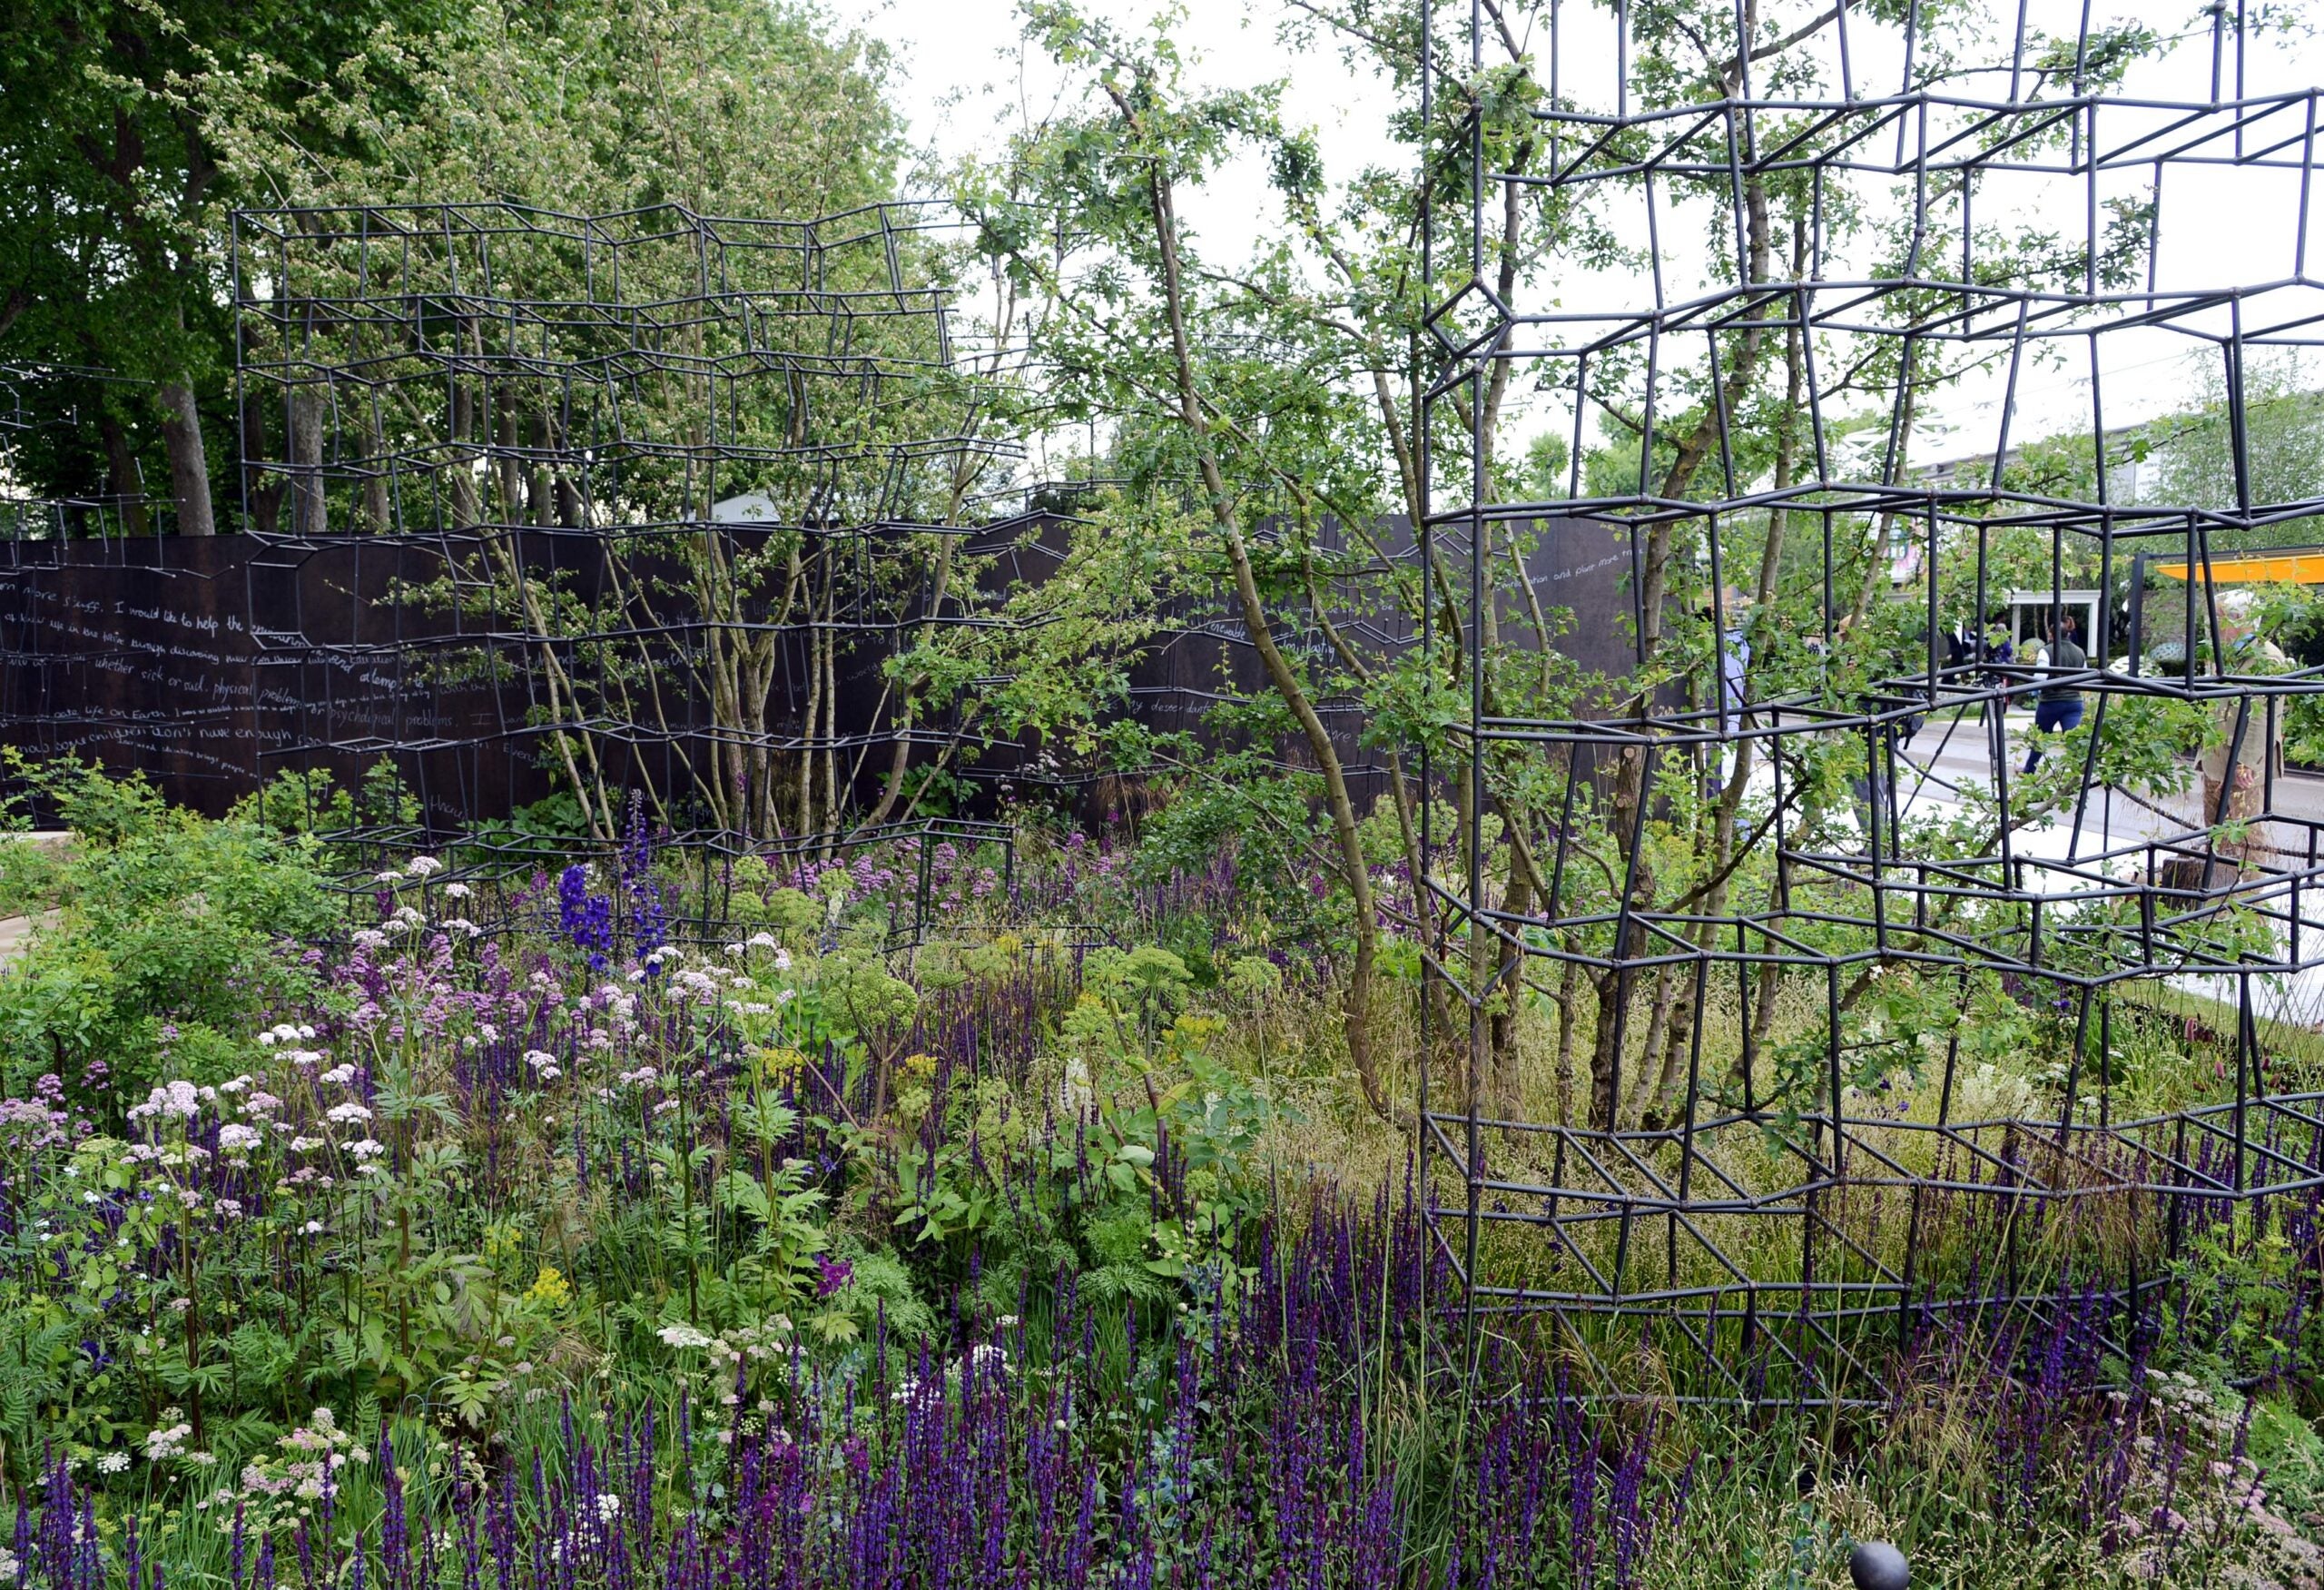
<point x="38" y="1122"/>
<point x="177" y="1101"/>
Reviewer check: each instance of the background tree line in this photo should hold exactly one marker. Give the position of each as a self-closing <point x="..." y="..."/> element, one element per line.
<point x="131" y="129"/>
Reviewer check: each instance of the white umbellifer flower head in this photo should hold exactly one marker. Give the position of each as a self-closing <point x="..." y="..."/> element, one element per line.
<point x="683" y="1336"/>
<point x="391" y="877"/>
<point x="266" y="1040"/>
<point x="457" y="891"/>
<point x="420" y="867"/>
<point x="178" y="1100"/>
<point x="348" y="1111"/>
<point x="762" y="941"/>
<point x="113" y="1463"/>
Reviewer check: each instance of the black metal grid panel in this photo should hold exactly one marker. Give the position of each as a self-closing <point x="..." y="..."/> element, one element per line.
<point x="646" y="499"/>
<point x="1737" y="1222"/>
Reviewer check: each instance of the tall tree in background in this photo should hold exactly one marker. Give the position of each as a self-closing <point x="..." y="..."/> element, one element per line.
<point x="129" y="128"/>
<point x="113" y="195"/>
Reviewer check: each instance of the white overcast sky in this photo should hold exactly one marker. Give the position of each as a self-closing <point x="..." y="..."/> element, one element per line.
<point x="962" y="80"/>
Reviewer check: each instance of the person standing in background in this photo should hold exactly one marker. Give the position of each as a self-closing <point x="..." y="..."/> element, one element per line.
<point x="2059" y="710"/>
<point x="1734" y="661"/>
<point x="1998" y="654"/>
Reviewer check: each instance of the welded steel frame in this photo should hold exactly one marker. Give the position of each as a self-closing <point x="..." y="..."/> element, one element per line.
<point x="537" y="429"/>
<point x="2086" y="927"/>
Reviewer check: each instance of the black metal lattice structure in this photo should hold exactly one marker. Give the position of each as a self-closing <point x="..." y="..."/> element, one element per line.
<point x="642" y="501"/>
<point x="37" y="398"/>
<point x="1811" y="607"/>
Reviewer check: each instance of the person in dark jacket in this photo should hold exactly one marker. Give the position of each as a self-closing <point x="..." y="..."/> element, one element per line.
<point x="2059" y="709"/>
<point x="1996" y="653"/>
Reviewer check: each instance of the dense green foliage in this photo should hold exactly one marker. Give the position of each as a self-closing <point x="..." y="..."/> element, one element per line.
<point x="177" y="934"/>
<point x="439" y="1201"/>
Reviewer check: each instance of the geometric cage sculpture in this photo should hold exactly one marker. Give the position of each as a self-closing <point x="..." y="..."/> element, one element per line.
<point x="632" y="501"/>
<point x="1814" y="791"/>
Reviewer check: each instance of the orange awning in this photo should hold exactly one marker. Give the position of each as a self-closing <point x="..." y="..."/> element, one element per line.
<point x="2278" y="568"/>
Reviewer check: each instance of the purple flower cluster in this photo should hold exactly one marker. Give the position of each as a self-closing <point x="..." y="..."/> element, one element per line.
<point x="1066" y="1448"/>
<point x="586" y="920"/>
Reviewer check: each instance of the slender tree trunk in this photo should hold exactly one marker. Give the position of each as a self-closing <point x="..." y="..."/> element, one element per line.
<point x="309" y="511"/>
<point x="189" y="465"/>
<point x="378" y="505"/>
<point x="122" y="483"/>
<point x="1354" y="871"/>
<point x="264" y="491"/>
<point x="510" y="465"/>
<point x="1569" y="990"/>
<point x="541" y="491"/>
<point x="1635" y="783"/>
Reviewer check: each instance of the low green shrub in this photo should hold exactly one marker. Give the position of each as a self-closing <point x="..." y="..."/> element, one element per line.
<point x="176" y="932"/>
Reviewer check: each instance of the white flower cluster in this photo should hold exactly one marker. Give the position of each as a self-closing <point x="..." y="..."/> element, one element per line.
<point x="176" y="1100"/>
<point x="165" y="1443"/>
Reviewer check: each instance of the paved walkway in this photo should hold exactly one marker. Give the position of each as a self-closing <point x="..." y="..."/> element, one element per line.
<point x="16" y="930"/>
<point x="1958" y="755"/>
